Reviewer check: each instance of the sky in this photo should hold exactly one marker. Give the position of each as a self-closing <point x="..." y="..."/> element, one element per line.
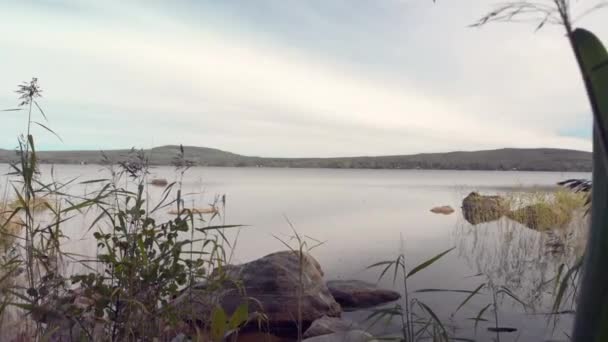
<point x="291" y="78"/>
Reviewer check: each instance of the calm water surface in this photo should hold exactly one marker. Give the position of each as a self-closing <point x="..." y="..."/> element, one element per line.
<point x="365" y="216"/>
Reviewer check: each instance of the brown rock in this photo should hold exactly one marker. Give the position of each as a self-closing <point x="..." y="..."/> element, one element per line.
<point x="159" y="182"/>
<point x="478" y="209"/>
<point x="445" y="210"/>
<point x="356" y="294"/>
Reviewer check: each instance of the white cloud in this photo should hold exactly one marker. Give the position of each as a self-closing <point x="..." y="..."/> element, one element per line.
<point x="182" y="82"/>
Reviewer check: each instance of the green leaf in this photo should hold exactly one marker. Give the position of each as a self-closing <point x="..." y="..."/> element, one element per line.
<point x="512" y="295"/>
<point x="218" y="324"/>
<point x="239" y="316"/>
<point x="591" y="323"/>
<point x="48" y="129"/>
<point x="479" y="316"/>
<point x="444" y="332"/>
<point x="470" y="296"/>
<point x="428" y="263"/>
<point x="563" y="286"/>
<point x="594" y="60"/>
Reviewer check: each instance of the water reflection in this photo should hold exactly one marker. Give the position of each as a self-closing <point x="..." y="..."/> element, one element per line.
<point x="523" y="260"/>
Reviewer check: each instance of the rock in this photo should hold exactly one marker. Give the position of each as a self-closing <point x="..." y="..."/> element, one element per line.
<point x="328" y="325"/>
<point x="344" y="336"/>
<point x="159" y="182"/>
<point x="478" y="209"/>
<point x="541" y="216"/>
<point x="446" y="210"/>
<point x="270" y="286"/>
<point x="356" y="294"/>
<point x="70" y="317"/>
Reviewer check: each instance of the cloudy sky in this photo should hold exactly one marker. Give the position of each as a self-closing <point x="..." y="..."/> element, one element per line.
<point x="291" y="77"/>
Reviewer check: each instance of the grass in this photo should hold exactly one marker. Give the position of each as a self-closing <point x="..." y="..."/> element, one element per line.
<point x="545" y="210"/>
<point x="37" y="204"/>
<point x="418" y="321"/>
<point x="141" y="263"/>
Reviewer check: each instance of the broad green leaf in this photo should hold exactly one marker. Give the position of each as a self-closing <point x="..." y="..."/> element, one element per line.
<point x="239" y="316"/>
<point x="218" y="324"/>
<point x="594" y="60"/>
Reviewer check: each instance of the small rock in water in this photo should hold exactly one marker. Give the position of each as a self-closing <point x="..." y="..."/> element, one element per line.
<point x="445" y="210"/>
<point x="328" y="325"/>
<point x="159" y="182"/>
<point x="356" y="294"/>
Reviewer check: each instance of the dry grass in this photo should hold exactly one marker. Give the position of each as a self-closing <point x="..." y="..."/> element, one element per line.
<point x="194" y="211"/>
<point x="544" y="211"/>
<point x="38" y="204"/>
<point x="9" y="227"/>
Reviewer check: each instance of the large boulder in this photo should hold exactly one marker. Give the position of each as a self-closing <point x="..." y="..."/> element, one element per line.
<point x="329" y="325"/>
<point x="357" y="294"/>
<point x="270" y="286"/>
<point x="477" y="208"/>
<point x="70" y="317"/>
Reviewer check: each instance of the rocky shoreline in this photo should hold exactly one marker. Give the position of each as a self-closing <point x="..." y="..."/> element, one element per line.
<point x="282" y="291"/>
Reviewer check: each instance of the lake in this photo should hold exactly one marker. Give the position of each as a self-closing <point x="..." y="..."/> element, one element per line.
<point x="366" y="216"/>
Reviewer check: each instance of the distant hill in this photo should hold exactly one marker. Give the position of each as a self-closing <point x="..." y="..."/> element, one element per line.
<point x="538" y="159"/>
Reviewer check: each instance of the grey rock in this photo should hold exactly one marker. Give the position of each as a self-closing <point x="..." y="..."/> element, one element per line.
<point x="356" y="294"/>
<point x="270" y="284"/>
<point x="328" y="325"/>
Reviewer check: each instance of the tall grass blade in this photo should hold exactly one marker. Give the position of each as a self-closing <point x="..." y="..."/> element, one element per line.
<point x="428" y="263"/>
<point x="444" y="332"/>
<point x="466" y="300"/>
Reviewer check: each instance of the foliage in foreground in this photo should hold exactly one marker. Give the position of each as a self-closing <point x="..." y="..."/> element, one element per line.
<point x="141" y="264"/>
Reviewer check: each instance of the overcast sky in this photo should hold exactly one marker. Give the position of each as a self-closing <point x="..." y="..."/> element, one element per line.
<point x="291" y="77"/>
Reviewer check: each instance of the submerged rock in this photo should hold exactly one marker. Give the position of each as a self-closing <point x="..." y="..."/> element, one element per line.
<point x="356" y="294"/>
<point x="159" y="182"/>
<point x="70" y="317"/>
<point x="350" y="336"/>
<point x="477" y="208"/>
<point x="446" y="210"/>
<point x="328" y="325"/>
<point x="270" y="286"/>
